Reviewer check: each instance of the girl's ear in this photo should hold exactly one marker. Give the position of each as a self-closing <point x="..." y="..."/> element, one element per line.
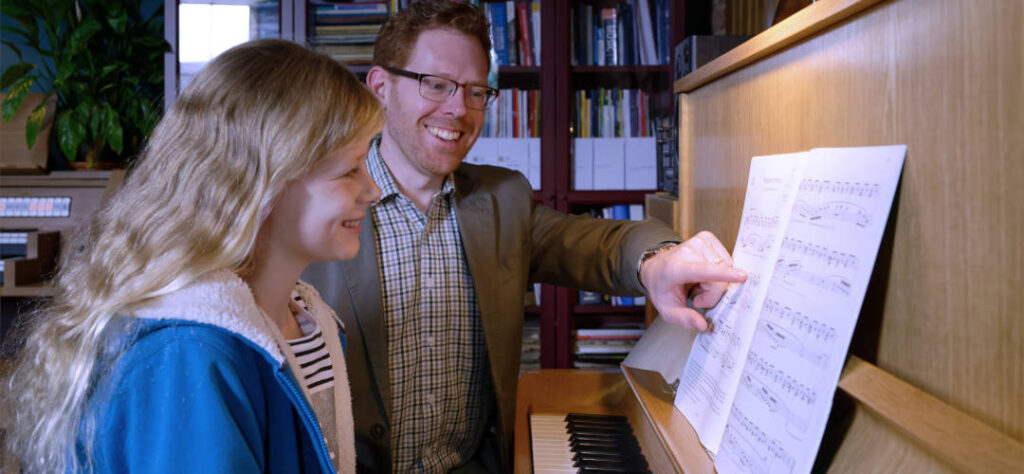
<point x="379" y="82"/>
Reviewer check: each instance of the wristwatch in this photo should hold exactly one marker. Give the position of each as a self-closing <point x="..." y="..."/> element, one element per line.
<point x="651" y="252"/>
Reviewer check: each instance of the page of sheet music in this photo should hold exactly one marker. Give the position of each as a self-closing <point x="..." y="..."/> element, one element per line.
<point x="713" y="369"/>
<point x="810" y="310"/>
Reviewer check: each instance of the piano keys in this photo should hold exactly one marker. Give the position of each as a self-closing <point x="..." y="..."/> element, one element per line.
<point x="584" y="443"/>
<point x="662" y="435"/>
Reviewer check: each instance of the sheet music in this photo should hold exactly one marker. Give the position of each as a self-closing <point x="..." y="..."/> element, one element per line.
<point x="712" y="372"/>
<point x="802" y="329"/>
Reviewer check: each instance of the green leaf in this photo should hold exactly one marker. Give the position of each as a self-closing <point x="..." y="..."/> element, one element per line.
<point x="14" y="73"/>
<point x="83" y="111"/>
<point x="85" y="31"/>
<point x="35" y="123"/>
<point x="70" y="133"/>
<point x="15" y="10"/>
<point x="14" y="47"/>
<point x="119" y="23"/>
<point x="15" y="96"/>
<point x="95" y="122"/>
<point x="112" y="129"/>
<point x="111" y="68"/>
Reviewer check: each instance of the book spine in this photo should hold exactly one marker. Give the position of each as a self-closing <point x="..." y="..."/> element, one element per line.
<point x="610" y="27"/>
<point x="525" y="43"/>
<point x="499" y="38"/>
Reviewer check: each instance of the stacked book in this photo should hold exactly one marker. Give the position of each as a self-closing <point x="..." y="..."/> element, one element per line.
<point x="347" y="31"/>
<point x="603" y="347"/>
<point x="531" y="346"/>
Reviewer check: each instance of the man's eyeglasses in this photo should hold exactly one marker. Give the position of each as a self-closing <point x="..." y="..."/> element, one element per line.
<point x="439" y="89"/>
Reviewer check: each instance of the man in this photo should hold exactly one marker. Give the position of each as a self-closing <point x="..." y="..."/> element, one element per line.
<point x="433" y="303"/>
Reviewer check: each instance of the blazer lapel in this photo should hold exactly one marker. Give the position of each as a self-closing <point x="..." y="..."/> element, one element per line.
<point x="362" y="278"/>
<point x="476" y="224"/>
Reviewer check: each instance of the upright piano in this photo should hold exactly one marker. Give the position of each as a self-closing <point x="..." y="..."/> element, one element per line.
<point x="934" y="378"/>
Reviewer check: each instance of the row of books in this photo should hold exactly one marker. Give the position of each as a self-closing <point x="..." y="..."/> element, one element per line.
<point x="604" y="347"/>
<point x="515" y="32"/>
<point x="612" y="113"/>
<point x="634" y="32"/>
<point x="516" y="114"/>
<point x="347" y="31"/>
<point x="530" y="358"/>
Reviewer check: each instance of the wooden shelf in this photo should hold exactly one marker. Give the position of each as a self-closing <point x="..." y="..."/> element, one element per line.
<point x="788" y="32"/>
<point x="650" y="78"/>
<point x="27" y="291"/>
<point x="602" y="309"/>
<point x="522" y="77"/>
<point x="605" y="197"/>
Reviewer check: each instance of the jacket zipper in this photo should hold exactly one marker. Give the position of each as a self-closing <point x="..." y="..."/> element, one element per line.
<point x="310" y="420"/>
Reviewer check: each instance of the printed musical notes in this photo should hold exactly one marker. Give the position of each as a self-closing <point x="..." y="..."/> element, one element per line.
<point x="830" y="213"/>
<point x="716" y="359"/>
<point x="808" y="239"/>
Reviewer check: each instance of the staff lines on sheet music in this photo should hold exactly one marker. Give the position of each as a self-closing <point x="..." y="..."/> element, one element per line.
<point x="788" y="271"/>
<point x="701" y="387"/>
<point x="743" y="295"/>
<point x="781" y="337"/>
<point x="838" y="211"/>
<point x="743" y="452"/>
<point x="830" y="257"/>
<point x="718" y="347"/>
<point x="846" y="188"/>
<point x="797" y="320"/>
<point x="756" y="243"/>
<point x="798" y="391"/>
<point x="760" y="220"/>
<point x="749" y="430"/>
<point x="761" y="391"/>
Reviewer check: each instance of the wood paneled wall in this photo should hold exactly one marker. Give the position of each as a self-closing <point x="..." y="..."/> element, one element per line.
<point x="945" y="78"/>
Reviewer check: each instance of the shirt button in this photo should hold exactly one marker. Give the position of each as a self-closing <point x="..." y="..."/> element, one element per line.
<point x="378" y="431"/>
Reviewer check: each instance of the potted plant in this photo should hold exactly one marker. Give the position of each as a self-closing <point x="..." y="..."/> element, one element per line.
<point x="104" y="64"/>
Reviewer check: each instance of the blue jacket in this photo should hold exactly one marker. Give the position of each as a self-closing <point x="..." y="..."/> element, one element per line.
<point x="187" y="395"/>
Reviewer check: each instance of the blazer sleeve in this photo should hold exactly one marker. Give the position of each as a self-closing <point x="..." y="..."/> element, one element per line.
<point x="591" y="254"/>
<point x="182" y="404"/>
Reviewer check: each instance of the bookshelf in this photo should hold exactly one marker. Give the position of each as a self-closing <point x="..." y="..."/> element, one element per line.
<point x="555" y="77"/>
<point x="574" y="72"/>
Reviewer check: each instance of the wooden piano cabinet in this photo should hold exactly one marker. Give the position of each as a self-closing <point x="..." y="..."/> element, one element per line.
<point x="24" y="276"/>
<point x="942" y="77"/>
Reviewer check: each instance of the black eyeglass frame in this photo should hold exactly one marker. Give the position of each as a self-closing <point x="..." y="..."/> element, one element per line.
<point x="491" y="93"/>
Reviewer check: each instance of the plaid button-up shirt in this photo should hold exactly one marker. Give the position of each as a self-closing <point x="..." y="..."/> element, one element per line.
<point x="436" y="349"/>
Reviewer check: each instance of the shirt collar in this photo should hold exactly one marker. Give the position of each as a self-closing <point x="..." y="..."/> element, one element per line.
<point x="385" y="180"/>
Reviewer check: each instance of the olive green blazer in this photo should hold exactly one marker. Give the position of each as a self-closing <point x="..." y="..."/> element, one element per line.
<point x="509" y="241"/>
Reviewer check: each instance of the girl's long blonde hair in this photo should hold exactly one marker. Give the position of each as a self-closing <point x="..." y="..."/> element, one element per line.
<point x="256" y="117"/>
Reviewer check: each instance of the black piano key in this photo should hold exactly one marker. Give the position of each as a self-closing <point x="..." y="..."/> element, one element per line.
<point x="595" y="455"/>
<point x="597" y="428"/>
<point x="598" y="470"/>
<point x="616" y="445"/>
<point x="603" y="418"/>
<point x="632" y="465"/>
<point x="599" y="436"/>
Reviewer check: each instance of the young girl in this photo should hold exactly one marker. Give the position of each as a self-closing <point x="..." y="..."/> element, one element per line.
<point x="180" y="337"/>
